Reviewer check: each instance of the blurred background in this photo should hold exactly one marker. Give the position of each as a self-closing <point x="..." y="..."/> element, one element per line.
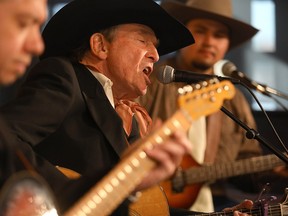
<point x="264" y="59"/>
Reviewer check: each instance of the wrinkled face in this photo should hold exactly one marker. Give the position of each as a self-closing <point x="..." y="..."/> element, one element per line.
<point x="211" y="44"/>
<point x="131" y="55"/>
<point x="20" y="37"/>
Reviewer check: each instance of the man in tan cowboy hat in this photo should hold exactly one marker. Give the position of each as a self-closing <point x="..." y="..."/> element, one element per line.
<point x="216" y="138"/>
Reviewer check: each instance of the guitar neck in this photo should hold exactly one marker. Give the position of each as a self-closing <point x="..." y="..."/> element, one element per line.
<point x="103" y="198"/>
<point x="224" y="170"/>
<point x="274" y="210"/>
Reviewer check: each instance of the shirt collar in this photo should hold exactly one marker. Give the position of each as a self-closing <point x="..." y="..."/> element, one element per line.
<point x="106" y="84"/>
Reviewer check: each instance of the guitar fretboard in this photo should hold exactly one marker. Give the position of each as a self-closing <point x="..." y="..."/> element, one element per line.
<point x="274" y="210"/>
<point x="224" y="170"/>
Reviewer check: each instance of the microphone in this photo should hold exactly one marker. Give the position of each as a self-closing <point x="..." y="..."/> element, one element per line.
<point x="167" y="74"/>
<point x="230" y="70"/>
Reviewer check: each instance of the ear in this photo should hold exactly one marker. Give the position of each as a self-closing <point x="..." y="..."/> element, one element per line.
<point x="99" y="45"/>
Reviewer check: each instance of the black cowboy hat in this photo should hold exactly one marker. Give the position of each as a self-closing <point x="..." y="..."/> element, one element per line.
<point x="218" y="10"/>
<point x="79" y="19"/>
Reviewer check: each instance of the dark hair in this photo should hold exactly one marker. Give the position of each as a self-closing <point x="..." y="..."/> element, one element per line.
<point x="78" y="53"/>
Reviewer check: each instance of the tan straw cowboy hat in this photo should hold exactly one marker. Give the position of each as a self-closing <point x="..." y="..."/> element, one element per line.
<point x="218" y="10"/>
<point x="79" y="19"/>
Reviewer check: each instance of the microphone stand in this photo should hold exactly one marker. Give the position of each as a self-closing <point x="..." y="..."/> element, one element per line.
<point x="253" y="134"/>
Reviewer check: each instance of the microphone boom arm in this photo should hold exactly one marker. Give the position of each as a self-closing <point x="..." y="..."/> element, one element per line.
<point x="253" y="134"/>
<point x="275" y="92"/>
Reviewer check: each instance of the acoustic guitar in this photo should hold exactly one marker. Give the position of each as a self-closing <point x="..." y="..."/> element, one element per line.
<point x="182" y="190"/>
<point x="194" y="101"/>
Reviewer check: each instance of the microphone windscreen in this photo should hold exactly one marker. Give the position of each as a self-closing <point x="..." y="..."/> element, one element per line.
<point x="165" y="74"/>
<point x="228" y="68"/>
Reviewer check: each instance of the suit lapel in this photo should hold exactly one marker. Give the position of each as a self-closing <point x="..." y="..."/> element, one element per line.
<point x="101" y="110"/>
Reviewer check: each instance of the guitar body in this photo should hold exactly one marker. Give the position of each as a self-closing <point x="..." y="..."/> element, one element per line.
<point x="189" y="193"/>
<point x="152" y="202"/>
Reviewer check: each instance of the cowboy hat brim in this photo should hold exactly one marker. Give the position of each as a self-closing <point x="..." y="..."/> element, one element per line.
<point x="79" y="19"/>
<point x="239" y="31"/>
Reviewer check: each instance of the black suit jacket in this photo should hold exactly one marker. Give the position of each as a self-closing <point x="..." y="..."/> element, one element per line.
<point x="15" y="158"/>
<point x="64" y="114"/>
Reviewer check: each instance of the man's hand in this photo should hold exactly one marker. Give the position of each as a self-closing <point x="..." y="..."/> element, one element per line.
<point x="168" y="157"/>
<point x="281" y="171"/>
<point x="246" y="204"/>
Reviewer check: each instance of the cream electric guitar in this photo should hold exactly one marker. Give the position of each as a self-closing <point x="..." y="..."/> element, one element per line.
<point x="194" y="101"/>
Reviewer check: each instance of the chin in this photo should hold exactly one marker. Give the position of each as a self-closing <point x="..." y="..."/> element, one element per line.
<point x="7" y="81"/>
<point x="7" y="77"/>
<point x="143" y="92"/>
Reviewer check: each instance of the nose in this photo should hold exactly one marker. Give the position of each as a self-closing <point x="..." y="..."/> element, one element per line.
<point x="34" y="43"/>
<point x="153" y="53"/>
<point x="209" y="38"/>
